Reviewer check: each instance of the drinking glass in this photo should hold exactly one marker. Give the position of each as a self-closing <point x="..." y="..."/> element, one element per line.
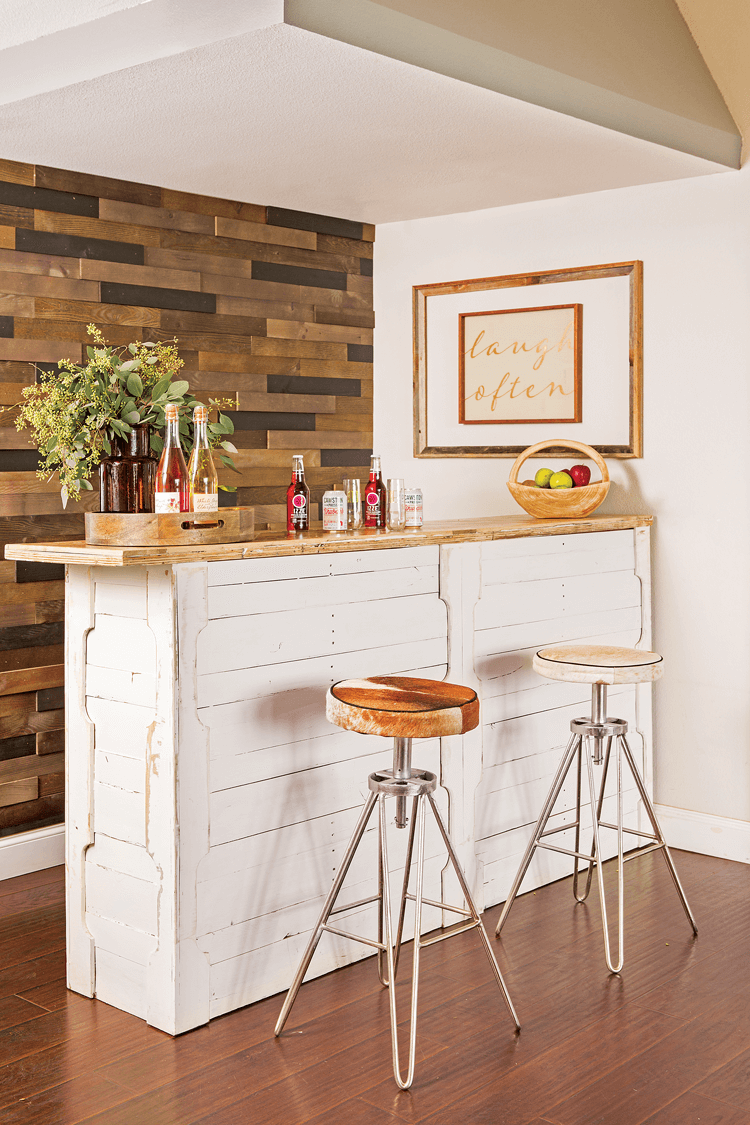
<point x="396" y="518"/>
<point x="353" y="504"/>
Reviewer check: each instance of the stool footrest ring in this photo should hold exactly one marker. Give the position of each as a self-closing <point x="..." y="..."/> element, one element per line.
<point x="354" y="937"/>
<point x="441" y="906"/>
<point x="459" y="928"/>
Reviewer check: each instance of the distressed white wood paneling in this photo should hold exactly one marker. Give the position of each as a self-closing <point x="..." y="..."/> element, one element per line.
<point x="533" y="593"/>
<point x="218" y="799"/>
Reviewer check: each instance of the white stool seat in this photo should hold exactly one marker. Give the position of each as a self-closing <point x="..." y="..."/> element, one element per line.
<point x="598" y="664"/>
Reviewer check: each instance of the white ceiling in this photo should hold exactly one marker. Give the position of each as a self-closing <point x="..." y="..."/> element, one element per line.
<point x="275" y="114"/>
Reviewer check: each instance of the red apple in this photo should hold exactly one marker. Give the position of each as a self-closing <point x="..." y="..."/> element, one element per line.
<point x="581" y="475"/>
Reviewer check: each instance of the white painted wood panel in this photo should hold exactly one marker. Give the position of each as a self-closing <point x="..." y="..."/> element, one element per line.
<point x="202" y="705"/>
<point x="274" y="638"/>
<point x="316" y="566"/>
<point x="252" y="683"/>
<point x="539" y="600"/>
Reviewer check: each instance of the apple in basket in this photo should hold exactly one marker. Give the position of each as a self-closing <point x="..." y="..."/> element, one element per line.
<point x="581" y="475"/>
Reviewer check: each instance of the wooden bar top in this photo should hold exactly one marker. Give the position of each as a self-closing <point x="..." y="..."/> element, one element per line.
<point x="316" y="541"/>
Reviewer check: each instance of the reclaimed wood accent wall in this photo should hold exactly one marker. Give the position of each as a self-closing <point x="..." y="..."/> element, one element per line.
<point x="270" y="307"/>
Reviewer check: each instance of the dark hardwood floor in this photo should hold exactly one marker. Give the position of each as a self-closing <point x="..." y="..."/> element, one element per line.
<point x="667" y="1042"/>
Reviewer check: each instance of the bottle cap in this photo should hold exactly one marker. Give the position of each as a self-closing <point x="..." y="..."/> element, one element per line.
<point x="171" y="410"/>
<point x="200" y="414"/>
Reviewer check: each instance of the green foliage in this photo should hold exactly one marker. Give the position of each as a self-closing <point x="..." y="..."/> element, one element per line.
<point x="79" y="414"/>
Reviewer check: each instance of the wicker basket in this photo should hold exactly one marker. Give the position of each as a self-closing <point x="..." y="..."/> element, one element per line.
<point x="559" y="503"/>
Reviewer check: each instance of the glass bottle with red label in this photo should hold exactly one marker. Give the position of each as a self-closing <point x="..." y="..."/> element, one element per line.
<point x="298" y="498"/>
<point x="172" y="492"/>
<point x="375" y="496"/>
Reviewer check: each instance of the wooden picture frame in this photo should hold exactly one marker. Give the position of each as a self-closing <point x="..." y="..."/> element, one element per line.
<point x="617" y="358"/>
<point x="494" y="397"/>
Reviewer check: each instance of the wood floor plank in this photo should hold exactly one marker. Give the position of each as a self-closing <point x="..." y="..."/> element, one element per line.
<point x="34" y="971"/>
<point x="519" y="1081"/>
<point x="15" y="1011"/>
<point x="80" y="1037"/>
<point x="731" y="1083"/>
<point x="52" y="875"/>
<point x="654" y="1077"/>
<point x="66" y="1104"/>
<point x="665" y="1042"/>
<point x="694" y="1109"/>
<point x="53" y="996"/>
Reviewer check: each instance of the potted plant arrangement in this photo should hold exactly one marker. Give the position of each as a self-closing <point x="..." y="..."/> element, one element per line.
<point x="108" y="413"/>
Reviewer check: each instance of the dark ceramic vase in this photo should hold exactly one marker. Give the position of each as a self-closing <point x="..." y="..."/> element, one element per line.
<point x="128" y="476"/>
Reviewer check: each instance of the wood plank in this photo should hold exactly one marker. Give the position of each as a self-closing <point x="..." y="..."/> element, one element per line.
<point x="336" y="244"/>
<point x="32" y="679"/>
<point x="17" y="615"/>
<point x="295" y="404"/>
<point x="72" y="334"/>
<point x="208" y="205"/>
<point x="135" y="214"/>
<point x="14" y="172"/>
<point x="140" y="275"/>
<point x="256" y="251"/>
<point x="16" y="792"/>
<point x="242" y="363"/>
<point x="38" y="285"/>
<point x="11" y="393"/>
<point x="325" y="439"/>
<point x="262" y="232"/>
<point x="296" y="330"/>
<point x="243" y="306"/>
<point x="87" y="312"/>
<point x="179" y="321"/>
<point x="94" y="228"/>
<point x="340" y="421"/>
<point x="19" y="769"/>
<point x="29" y="721"/>
<point x="86" y="184"/>
<point x="225" y="384"/>
<point x="17" y="217"/>
<point x="301" y="349"/>
<point x="20" y="658"/>
<point x="50" y="742"/>
<point x="7" y="238"/>
<point x="333" y="369"/>
<point x="12" y="304"/>
<point x="33" y="592"/>
<point x="360" y="318"/>
<point x="49" y="265"/>
<point x="40" y="350"/>
<point x="45" y="612"/>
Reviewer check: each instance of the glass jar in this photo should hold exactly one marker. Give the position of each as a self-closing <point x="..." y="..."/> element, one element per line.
<point x="127" y="476"/>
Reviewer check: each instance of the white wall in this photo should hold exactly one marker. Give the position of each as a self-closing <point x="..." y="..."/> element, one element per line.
<point x="694" y="239"/>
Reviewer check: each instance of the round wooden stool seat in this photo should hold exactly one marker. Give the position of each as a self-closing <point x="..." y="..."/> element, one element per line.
<point x="402" y="707"/>
<point x="598" y="664"/>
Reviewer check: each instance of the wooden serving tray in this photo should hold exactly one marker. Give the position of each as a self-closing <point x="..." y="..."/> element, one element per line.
<point x="169" y="529"/>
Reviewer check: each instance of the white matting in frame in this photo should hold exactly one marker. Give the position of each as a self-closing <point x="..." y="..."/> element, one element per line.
<point x="610" y="399"/>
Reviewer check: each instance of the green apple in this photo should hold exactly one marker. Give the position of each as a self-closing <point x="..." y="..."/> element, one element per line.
<point x="561" y="480"/>
<point x="542" y="478"/>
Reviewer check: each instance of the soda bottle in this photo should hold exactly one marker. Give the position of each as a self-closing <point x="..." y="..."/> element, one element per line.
<point x="172" y="491"/>
<point x="298" y="498"/>
<point x="375" y="496"/>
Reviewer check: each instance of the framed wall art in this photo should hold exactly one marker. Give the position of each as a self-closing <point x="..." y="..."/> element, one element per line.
<point x="501" y="363"/>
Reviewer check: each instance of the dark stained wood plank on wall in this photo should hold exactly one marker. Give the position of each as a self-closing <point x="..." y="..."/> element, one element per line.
<point x="252" y="292"/>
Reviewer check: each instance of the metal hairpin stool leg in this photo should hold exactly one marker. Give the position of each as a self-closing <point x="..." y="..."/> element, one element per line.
<point x="427" y="708"/>
<point x="599" y="666"/>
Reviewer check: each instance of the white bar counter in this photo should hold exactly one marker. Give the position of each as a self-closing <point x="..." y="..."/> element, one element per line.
<point x="208" y="800"/>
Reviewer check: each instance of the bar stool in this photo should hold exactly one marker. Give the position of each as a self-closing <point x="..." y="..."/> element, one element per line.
<point x="403" y="708"/>
<point x="598" y="665"/>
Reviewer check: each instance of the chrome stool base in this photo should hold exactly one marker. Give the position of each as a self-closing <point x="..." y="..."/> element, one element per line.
<point x="419" y="785"/>
<point x="590" y="735"/>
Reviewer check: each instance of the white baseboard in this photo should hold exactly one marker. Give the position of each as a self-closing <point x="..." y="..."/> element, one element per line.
<point x="719" y="836"/>
<point x="32" y="851"/>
